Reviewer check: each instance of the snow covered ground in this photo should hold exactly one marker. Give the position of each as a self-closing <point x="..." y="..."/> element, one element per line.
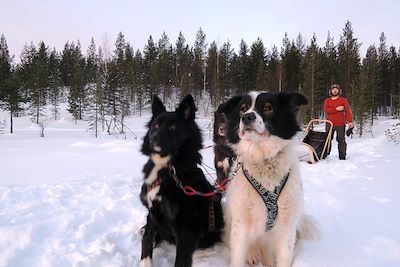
<point x="72" y="200"/>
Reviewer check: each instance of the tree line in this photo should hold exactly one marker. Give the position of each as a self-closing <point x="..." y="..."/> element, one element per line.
<point x="107" y="84"/>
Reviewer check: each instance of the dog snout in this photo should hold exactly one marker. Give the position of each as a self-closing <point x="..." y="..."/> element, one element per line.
<point x="248" y="118"/>
<point x="153" y="139"/>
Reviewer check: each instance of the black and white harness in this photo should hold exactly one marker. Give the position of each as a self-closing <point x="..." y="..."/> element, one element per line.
<point x="270" y="198"/>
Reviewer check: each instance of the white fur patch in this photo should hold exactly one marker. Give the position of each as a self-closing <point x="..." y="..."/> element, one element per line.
<point x="159" y="163"/>
<point x="146" y="262"/>
<point x="152" y="195"/>
<point x="258" y="126"/>
<point x="265" y="148"/>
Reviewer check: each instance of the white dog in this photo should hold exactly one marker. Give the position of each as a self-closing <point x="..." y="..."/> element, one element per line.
<point x="264" y="202"/>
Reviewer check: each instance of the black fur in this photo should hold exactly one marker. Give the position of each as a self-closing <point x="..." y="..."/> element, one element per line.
<point x="282" y="121"/>
<point x="177" y="218"/>
<point x="222" y="149"/>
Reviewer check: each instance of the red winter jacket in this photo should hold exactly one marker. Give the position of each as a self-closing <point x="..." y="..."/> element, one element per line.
<point x="338" y="118"/>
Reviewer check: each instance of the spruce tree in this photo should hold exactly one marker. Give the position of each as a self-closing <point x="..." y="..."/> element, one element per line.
<point x="10" y="94"/>
<point x="213" y="85"/>
<point x="313" y="85"/>
<point x="5" y="64"/>
<point x="241" y="69"/>
<point x="150" y="55"/>
<point x="226" y="56"/>
<point x="164" y="66"/>
<point x="330" y="62"/>
<point x="54" y="76"/>
<point x="349" y="61"/>
<point x="11" y="97"/>
<point x="366" y="98"/>
<point x="273" y="64"/>
<point x="129" y="67"/>
<point x="184" y="62"/>
<point x="76" y="98"/>
<point x="383" y="78"/>
<point x="261" y="78"/>
<point x="38" y="91"/>
<point x="94" y="95"/>
<point x="394" y="79"/>
<point x="257" y="64"/>
<point x="200" y="66"/>
<point x="291" y="68"/>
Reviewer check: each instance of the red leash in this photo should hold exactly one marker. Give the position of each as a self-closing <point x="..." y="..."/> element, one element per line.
<point x="190" y="191"/>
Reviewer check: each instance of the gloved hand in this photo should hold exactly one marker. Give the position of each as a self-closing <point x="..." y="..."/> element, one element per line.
<point x="349" y="131"/>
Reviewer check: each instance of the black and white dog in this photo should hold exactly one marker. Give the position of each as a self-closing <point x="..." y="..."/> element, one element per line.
<point x="172" y="143"/>
<point x="264" y="202"/>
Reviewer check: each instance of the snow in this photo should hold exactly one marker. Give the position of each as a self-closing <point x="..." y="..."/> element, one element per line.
<point x="69" y="199"/>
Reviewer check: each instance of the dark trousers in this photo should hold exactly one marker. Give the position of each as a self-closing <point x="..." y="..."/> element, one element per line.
<point x="340" y="138"/>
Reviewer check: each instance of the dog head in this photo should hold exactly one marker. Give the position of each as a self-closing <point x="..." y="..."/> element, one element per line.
<point x="221" y="118"/>
<point x="262" y="122"/>
<point x="170" y="132"/>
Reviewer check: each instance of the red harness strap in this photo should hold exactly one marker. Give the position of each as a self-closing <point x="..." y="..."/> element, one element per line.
<point x="211" y="210"/>
<point x="154" y="184"/>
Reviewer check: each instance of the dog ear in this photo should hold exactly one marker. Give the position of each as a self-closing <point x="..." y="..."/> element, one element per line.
<point x="295" y="100"/>
<point x="157" y="107"/>
<point x="229" y="105"/>
<point x="220" y="123"/>
<point x="187" y="108"/>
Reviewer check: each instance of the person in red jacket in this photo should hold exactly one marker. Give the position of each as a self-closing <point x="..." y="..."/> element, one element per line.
<point x="338" y="112"/>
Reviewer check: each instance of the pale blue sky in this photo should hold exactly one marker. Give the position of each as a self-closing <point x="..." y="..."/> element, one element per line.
<point x="56" y="21"/>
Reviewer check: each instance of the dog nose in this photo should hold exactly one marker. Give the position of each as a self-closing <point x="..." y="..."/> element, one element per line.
<point x="248" y="118"/>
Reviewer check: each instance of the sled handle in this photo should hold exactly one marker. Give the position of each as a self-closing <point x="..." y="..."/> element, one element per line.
<point x="329" y="137"/>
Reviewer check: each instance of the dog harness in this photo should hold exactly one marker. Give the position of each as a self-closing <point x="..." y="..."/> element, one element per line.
<point x="211" y="209"/>
<point x="270" y="198"/>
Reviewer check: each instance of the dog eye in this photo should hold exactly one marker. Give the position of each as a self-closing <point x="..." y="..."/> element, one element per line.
<point x="156" y="126"/>
<point x="268" y="108"/>
<point x="244" y="108"/>
<point x="172" y="127"/>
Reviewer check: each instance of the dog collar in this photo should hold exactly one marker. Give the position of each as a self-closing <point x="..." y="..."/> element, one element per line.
<point x="270" y="198"/>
